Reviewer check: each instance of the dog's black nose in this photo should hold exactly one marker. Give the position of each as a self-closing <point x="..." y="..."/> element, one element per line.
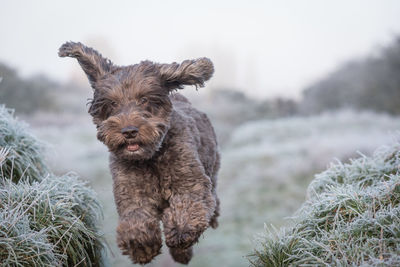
<point x="129" y="132"/>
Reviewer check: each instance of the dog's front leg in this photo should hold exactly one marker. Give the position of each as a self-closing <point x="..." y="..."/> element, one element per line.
<point x="138" y="232"/>
<point x="191" y="207"/>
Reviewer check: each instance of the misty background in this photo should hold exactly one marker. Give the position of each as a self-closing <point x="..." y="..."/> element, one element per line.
<point x="297" y="85"/>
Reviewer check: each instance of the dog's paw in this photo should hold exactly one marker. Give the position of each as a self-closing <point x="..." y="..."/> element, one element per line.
<point x="175" y="238"/>
<point x="181" y="255"/>
<point x="141" y="247"/>
<point x="138" y="252"/>
<point x="69" y="49"/>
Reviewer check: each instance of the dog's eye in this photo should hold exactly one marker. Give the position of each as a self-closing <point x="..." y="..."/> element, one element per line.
<point x="113" y="104"/>
<point x="143" y="100"/>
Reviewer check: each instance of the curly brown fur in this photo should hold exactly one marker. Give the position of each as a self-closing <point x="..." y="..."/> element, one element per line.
<point x="163" y="152"/>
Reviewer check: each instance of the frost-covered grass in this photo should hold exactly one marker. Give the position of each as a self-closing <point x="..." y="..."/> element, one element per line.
<point x="351" y="217"/>
<point x="266" y="168"/>
<point x="45" y="220"/>
<point x="49" y="223"/>
<point x="25" y="152"/>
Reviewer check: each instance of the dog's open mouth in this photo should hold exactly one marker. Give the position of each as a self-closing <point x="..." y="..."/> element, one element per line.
<point x="133" y="147"/>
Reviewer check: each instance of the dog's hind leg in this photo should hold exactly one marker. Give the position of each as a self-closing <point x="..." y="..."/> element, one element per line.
<point x="214" y="218"/>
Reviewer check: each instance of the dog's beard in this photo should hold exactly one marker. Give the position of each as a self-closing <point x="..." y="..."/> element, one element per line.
<point x="137" y="150"/>
<point x="148" y="141"/>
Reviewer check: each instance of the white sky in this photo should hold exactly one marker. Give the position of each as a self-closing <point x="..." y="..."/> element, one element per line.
<point x="265" y="48"/>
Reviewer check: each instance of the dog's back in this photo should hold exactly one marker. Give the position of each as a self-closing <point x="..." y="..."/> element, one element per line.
<point x="202" y="131"/>
<point x="205" y="140"/>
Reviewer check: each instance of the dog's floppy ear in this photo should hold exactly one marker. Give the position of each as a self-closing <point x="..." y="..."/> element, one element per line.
<point x="92" y="62"/>
<point x="189" y="72"/>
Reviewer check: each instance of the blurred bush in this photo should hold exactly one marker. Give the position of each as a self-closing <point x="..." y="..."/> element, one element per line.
<point x="45" y="220"/>
<point x="26" y="95"/>
<point x="372" y="83"/>
<point x="228" y="109"/>
<point x="351" y="217"/>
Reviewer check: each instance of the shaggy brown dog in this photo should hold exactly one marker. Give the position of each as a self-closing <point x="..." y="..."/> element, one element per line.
<point x="163" y="152"/>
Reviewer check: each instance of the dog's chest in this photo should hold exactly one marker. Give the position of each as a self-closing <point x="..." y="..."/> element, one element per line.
<point x="157" y="182"/>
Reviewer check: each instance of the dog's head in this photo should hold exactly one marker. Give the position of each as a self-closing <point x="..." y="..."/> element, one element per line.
<point x="131" y="106"/>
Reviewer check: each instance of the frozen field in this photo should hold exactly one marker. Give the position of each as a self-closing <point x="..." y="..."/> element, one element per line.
<point x="266" y="167"/>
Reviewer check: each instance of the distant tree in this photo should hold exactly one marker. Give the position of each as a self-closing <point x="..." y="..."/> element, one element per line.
<point x="25" y="95"/>
<point x="277" y="108"/>
<point x="372" y="83"/>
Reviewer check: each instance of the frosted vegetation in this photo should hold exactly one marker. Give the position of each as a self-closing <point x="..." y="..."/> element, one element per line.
<point x="266" y="168"/>
<point x="45" y="220"/>
<point x="22" y="153"/>
<point x="351" y="217"/>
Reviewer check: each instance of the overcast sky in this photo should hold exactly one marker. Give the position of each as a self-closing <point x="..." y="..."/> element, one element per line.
<point x="265" y="48"/>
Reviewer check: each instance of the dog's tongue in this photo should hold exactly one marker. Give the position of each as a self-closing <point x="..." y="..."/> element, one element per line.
<point x="133" y="147"/>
